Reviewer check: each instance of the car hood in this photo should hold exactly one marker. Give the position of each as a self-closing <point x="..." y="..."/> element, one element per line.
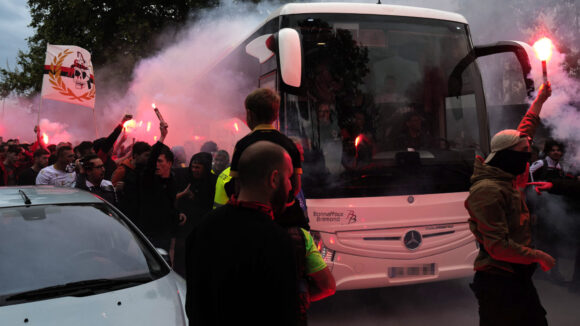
<point x="159" y="302"/>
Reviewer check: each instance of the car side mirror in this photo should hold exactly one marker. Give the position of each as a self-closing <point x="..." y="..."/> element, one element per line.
<point x="164" y="254"/>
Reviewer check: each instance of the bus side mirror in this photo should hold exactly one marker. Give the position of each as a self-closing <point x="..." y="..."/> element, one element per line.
<point x="290" y="56"/>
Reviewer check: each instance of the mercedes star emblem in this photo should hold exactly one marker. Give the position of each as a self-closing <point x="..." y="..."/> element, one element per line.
<point x="412" y="239"/>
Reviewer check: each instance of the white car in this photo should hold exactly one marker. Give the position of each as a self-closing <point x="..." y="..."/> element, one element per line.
<point x="69" y="258"/>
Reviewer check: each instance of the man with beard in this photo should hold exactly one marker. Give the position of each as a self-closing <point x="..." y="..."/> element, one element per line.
<point x="500" y="221"/>
<point x="238" y="254"/>
<point x="91" y="178"/>
<point x="194" y="201"/>
<point x="39" y="162"/>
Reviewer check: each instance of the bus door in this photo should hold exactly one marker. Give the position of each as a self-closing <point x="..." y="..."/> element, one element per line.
<point x="505" y="67"/>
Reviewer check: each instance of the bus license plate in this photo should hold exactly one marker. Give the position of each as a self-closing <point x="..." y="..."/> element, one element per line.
<point x="410" y="271"/>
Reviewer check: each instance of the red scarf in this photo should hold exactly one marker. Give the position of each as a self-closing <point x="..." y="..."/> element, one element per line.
<point x="252" y="205"/>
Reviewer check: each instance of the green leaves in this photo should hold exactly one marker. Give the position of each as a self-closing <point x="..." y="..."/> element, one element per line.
<point x="117" y="33"/>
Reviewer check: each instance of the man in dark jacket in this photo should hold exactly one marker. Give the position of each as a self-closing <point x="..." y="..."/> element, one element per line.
<point x="91" y="178"/>
<point x="39" y="162"/>
<point x="159" y="218"/>
<point x="127" y="180"/>
<point x="240" y="264"/>
<point x="500" y="221"/>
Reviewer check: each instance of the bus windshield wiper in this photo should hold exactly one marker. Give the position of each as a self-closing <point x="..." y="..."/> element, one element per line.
<point x="80" y="288"/>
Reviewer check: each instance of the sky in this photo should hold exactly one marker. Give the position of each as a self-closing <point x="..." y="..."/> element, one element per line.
<point x="14" y="20"/>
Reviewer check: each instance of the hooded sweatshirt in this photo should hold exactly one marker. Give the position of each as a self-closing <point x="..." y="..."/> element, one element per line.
<point x="500" y="220"/>
<point x="203" y="190"/>
<point x="499" y="217"/>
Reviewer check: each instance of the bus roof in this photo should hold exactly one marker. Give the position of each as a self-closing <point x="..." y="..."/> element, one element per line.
<point x="366" y="9"/>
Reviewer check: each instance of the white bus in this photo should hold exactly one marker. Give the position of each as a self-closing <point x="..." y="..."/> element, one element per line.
<point x="389" y="106"/>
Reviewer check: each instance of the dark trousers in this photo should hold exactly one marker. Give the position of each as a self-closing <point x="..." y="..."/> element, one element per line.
<point x="179" y="258"/>
<point x="507" y="300"/>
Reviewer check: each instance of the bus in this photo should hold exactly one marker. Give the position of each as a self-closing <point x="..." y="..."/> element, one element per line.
<point x="389" y="106"/>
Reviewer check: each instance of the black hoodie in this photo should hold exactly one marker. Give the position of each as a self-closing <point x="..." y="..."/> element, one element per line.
<point x="203" y="190"/>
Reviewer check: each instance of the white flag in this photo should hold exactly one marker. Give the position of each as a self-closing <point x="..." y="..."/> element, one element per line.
<point x="68" y="75"/>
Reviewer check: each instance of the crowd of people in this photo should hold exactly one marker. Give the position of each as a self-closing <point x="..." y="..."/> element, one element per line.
<point x="229" y="230"/>
<point x="242" y="228"/>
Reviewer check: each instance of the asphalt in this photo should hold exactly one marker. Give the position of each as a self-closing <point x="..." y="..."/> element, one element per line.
<point x="446" y="303"/>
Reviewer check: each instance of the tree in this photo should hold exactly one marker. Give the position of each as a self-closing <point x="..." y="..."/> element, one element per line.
<point x="117" y="33"/>
<point x="528" y="20"/>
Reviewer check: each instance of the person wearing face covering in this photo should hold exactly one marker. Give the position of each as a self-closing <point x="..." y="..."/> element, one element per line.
<point x="500" y="221"/>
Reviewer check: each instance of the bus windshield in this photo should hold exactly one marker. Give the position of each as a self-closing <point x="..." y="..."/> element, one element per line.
<point x="375" y="115"/>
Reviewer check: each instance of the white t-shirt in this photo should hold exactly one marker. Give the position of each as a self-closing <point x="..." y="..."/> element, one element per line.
<point x="51" y="176"/>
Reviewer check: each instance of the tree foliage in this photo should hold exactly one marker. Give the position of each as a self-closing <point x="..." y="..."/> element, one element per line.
<point x="559" y="19"/>
<point x="528" y="21"/>
<point x="117" y="33"/>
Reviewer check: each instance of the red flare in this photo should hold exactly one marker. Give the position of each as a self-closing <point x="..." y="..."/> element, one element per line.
<point x="357" y="140"/>
<point x="129" y="125"/>
<point x="148" y="126"/>
<point x="45" y="138"/>
<point x="236" y="126"/>
<point x="543" y="48"/>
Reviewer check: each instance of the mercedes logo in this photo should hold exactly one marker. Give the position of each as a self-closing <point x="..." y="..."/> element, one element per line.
<point x="412" y="239"/>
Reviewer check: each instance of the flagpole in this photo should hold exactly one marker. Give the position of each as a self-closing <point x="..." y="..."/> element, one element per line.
<point x="95" y="121"/>
<point x="39" y="108"/>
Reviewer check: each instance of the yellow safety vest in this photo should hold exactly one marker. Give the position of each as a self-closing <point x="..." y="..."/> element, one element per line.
<point x="221" y="198"/>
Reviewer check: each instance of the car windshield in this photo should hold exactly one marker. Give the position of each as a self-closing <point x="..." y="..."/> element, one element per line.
<point x="378" y="115"/>
<point x="52" y="245"/>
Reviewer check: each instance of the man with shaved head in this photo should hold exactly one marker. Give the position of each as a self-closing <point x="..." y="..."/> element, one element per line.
<point x="238" y="253"/>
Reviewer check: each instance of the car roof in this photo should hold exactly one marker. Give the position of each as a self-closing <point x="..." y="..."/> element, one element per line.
<point x="44" y="195"/>
<point x="366" y="8"/>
